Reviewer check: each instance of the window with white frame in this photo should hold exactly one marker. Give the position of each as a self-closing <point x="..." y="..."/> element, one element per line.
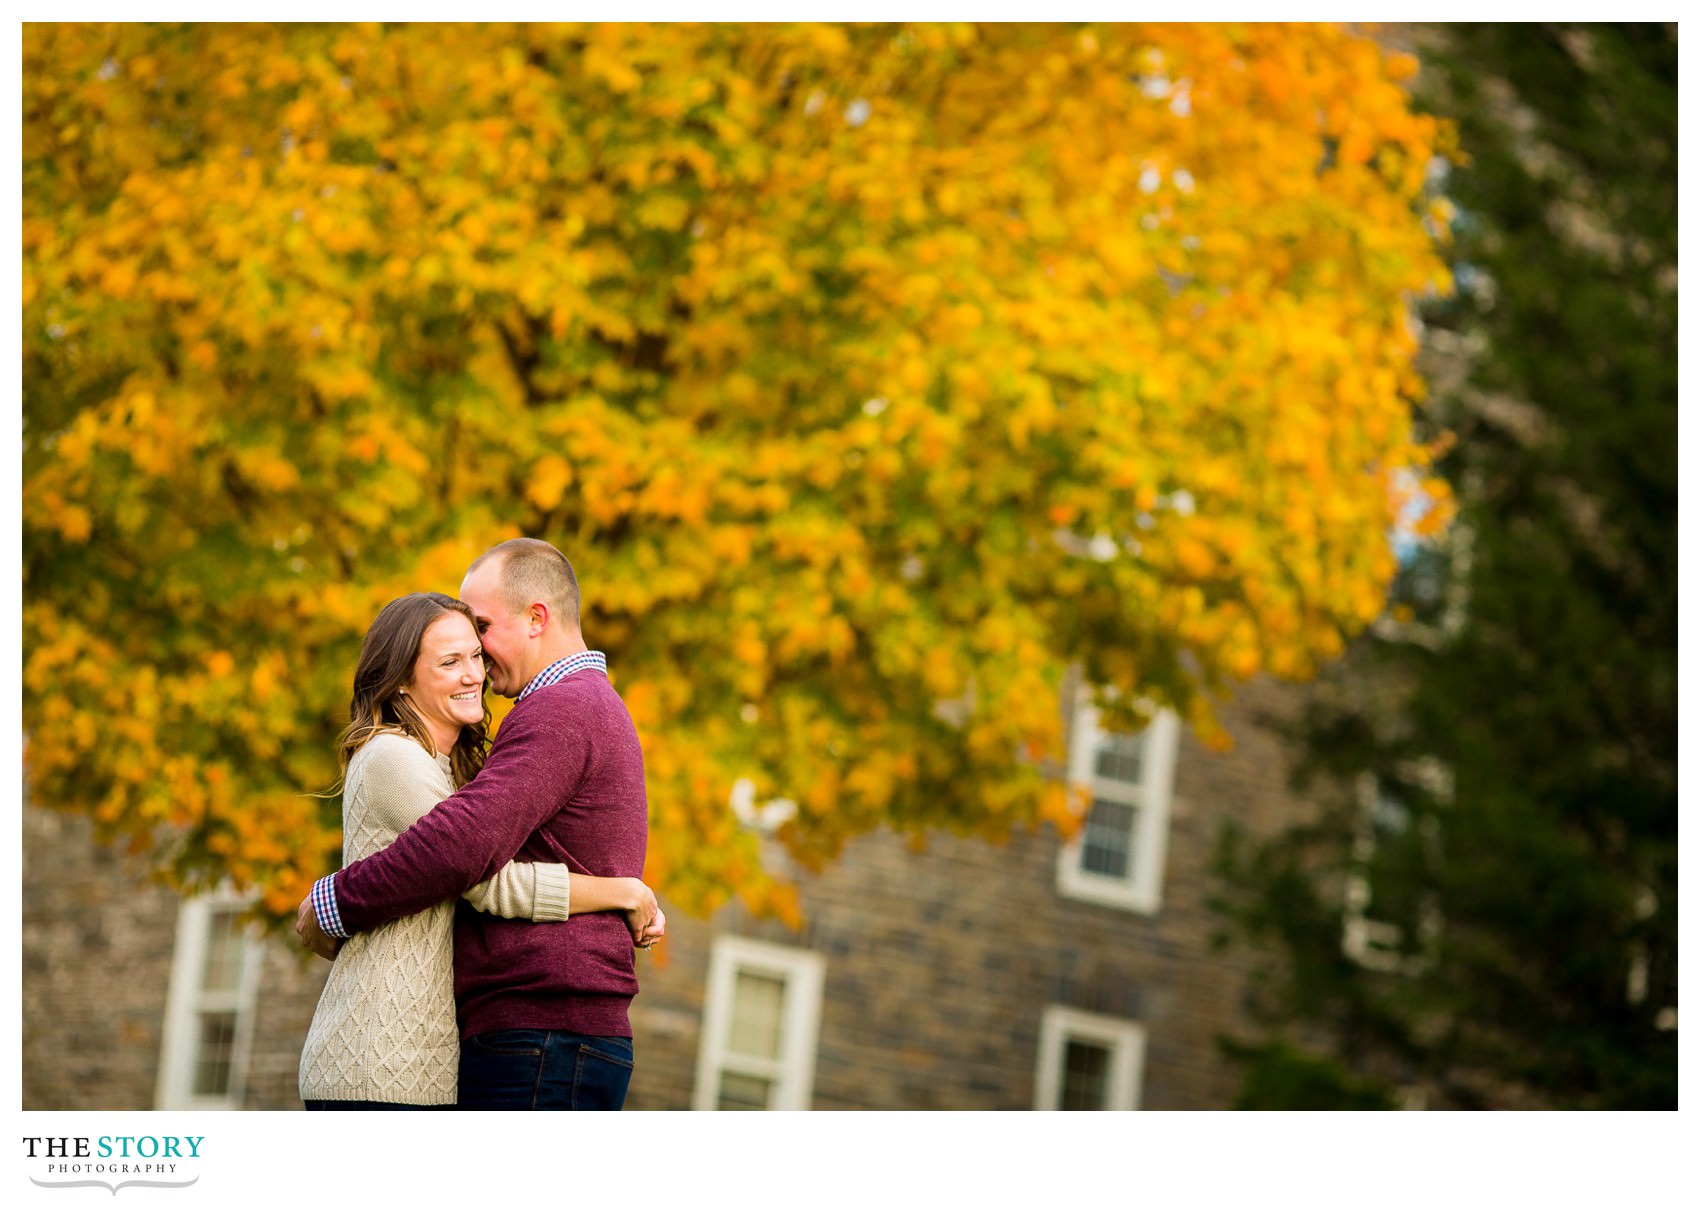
<point x="1391" y="921"/>
<point x="761" y="1021"/>
<point x="1088" y="1062"/>
<point x="209" y="1012"/>
<point x="1117" y="857"/>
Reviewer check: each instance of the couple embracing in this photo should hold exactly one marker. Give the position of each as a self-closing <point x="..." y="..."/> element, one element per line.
<point x="484" y="946"/>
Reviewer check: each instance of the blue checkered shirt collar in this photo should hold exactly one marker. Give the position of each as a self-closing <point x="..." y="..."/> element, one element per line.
<point x="566" y="667"/>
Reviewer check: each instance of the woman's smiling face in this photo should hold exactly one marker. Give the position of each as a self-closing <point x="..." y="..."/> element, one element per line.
<point x="447" y="686"/>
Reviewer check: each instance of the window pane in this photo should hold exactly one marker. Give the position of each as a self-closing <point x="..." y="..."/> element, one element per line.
<point x="1395" y="870"/>
<point x="1389" y="815"/>
<point x="1420" y="583"/>
<point x="1086" y="1077"/>
<point x="1120" y="756"/>
<point x="213" y="1048"/>
<point x="757" y="1005"/>
<point x="741" y="1092"/>
<point x="1107" y="845"/>
<point x="222" y="972"/>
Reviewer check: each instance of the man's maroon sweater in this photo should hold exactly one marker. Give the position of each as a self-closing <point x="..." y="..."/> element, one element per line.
<point x="563" y="784"/>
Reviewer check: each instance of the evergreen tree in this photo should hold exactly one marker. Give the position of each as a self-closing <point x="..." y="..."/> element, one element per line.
<point x="1484" y="908"/>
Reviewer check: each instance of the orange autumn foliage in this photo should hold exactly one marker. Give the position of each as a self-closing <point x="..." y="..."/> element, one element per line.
<point x="858" y="369"/>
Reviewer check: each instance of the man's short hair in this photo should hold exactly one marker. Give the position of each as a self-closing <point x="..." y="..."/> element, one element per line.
<point x="533" y="571"/>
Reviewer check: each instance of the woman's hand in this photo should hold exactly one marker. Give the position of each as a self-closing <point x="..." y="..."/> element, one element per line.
<point x="623" y="894"/>
<point x="654" y="932"/>
<point x="643" y="916"/>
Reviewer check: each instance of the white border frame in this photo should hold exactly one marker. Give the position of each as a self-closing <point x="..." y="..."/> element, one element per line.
<point x="186" y="1000"/>
<point x="1141" y="891"/>
<point x="804" y="974"/>
<point x="1124" y="1038"/>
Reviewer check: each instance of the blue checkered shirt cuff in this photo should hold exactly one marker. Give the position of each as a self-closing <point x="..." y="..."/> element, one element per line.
<point x="324" y="908"/>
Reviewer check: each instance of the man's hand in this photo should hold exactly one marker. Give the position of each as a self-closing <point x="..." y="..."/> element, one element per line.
<point x="311" y="936"/>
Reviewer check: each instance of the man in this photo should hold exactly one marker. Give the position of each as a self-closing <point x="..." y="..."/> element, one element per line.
<point x="543" y="1007"/>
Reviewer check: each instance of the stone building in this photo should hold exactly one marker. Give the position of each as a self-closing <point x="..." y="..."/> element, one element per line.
<point x="964" y="976"/>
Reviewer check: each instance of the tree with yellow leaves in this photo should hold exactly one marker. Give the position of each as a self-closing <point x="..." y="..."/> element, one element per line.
<point x="870" y="376"/>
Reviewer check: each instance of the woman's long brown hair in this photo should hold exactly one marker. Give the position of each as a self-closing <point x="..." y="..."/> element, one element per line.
<point x="387" y="657"/>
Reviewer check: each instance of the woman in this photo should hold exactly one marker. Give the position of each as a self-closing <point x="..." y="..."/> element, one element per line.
<point x="384" y="1036"/>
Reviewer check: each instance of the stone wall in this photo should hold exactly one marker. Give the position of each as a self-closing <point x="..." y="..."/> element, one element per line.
<point x="97" y="946"/>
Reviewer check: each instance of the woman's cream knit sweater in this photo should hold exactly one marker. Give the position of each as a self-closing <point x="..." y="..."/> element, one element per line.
<point x="384" y="1029"/>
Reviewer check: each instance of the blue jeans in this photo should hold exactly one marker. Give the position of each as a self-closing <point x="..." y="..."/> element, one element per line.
<point x="535" y="1070"/>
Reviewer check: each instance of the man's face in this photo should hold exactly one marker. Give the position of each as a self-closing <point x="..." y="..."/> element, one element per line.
<point x="505" y="635"/>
